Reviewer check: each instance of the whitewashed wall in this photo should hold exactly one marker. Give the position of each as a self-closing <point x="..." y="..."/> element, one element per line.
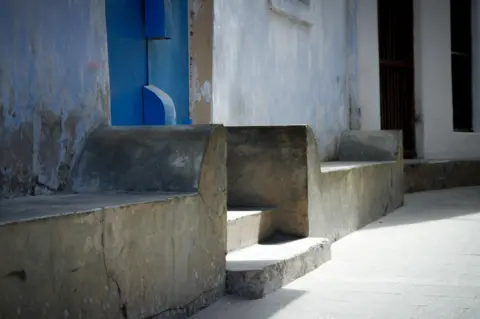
<point x="271" y="70"/>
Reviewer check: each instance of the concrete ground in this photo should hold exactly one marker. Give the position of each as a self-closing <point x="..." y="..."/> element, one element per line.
<point x="422" y="261"/>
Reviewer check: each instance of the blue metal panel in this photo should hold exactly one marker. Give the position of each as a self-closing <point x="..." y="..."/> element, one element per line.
<point x="127" y="54"/>
<point x="158" y="107"/>
<point x="168" y="61"/>
<point x="156" y="24"/>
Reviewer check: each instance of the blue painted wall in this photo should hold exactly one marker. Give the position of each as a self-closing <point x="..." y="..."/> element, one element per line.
<point x="168" y="60"/>
<point x="53" y="89"/>
<point x="127" y="53"/>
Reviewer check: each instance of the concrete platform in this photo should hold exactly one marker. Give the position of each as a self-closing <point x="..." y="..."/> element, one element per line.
<point x="420" y="262"/>
<point x="260" y="269"/>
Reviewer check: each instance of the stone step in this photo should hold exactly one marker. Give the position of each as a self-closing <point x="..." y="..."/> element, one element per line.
<point x="258" y="270"/>
<point x="248" y="226"/>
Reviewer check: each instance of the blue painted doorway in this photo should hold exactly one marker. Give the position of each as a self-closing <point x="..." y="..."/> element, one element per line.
<point x="160" y="62"/>
<point x="127" y="55"/>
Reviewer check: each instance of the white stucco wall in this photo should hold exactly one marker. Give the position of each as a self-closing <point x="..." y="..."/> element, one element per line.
<point x="434" y="94"/>
<point x="364" y="64"/>
<point x="269" y="70"/>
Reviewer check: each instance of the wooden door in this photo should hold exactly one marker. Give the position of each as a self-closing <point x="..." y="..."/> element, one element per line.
<point x="395" y="28"/>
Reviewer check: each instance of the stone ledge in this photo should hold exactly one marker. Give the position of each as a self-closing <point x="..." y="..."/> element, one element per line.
<point x="260" y="269"/>
<point x="425" y="175"/>
<point x="248" y="227"/>
<point x="25" y="209"/>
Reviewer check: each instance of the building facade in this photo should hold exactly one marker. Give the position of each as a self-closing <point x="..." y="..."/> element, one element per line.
<point x="69" y="67"/>
<point x="419" y="72"/>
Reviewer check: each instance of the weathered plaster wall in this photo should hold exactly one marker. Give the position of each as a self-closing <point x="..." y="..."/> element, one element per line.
<point x="364" y="65"/>
<point x="201" y="60"/>
<point x="53" y="89"/>
<point x="270" y="70"/>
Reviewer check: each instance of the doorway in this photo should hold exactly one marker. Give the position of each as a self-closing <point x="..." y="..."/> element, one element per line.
<point x="397" y="98"/>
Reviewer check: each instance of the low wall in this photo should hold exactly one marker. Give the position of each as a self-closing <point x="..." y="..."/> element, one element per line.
<point x="366" y="185"/>
<point x="111" y="255"/>
<point x="425" y="175"/>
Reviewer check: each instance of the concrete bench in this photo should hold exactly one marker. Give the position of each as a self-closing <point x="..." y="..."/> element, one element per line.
<point x="143" y="233"/>
<point x="279" y="167"/>
<point x="286" y="207"/>
<point x="364" y="185"/>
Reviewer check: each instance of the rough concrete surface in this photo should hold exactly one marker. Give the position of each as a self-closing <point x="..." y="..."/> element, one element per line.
<point x="343" y="198"/>
<point x="351" y="198"/>
<point x="130" y="261"/>
<point x="424" y="175"/>
<point x="420" y="262"/>
<point x="281" y="167"/>
<point x="266" y="166"/>
<point x="54" y="90"/>
<point x="248" y="227"/>
<point x="31" y="208"/>
<point x="153" y="257"/>
<point x="260" y="269"/>
<point x="143" y="158"/>
<point x="370" y="146"/>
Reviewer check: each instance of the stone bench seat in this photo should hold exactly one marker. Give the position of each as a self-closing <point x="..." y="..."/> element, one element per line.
<point x="279" y="166"/>
<point x="37" y="208"/>
<point x="142" y="233"/>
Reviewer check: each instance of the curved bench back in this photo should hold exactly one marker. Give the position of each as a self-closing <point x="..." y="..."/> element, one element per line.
<point x="163" y="158"/>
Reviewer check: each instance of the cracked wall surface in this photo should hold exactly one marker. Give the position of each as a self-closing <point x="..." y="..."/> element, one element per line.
<point x="54" y="89"/>
<point x="134" y="261"/>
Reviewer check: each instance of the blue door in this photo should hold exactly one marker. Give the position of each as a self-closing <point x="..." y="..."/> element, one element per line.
<point x="127" y="54"/>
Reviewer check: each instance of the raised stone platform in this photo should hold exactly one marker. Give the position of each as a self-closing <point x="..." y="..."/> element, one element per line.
<point x="260" y="269"/>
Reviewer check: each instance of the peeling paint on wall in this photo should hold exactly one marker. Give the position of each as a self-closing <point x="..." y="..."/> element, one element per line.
<point x="53" y="90"/>
<point x="201" y="60"/>
<point x="201" y="91"/>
